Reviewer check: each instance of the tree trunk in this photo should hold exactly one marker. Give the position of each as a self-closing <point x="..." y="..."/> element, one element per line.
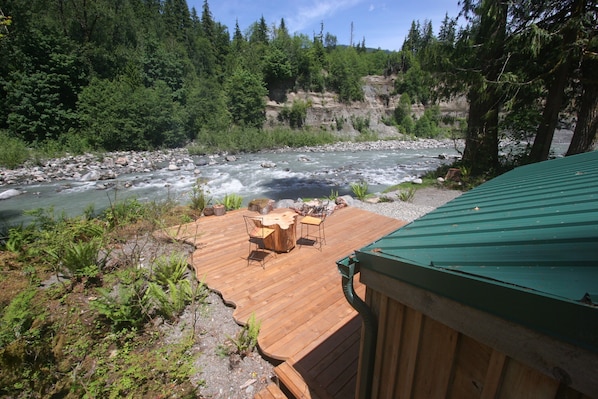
<point x="584" y="136"/>
<point x="556" y="91"/>
<point x="550" y="115"/>
<point x="481" y="142"/>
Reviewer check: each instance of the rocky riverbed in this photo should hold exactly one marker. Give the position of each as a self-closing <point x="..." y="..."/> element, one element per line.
<point x="109" y="166"/>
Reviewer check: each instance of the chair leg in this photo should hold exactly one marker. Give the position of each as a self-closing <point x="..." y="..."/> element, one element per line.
<point x="320" y="239"/>
<point x="258" y="254"/>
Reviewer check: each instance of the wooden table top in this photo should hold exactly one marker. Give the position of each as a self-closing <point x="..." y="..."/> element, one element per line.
<point x="283" y="217"/>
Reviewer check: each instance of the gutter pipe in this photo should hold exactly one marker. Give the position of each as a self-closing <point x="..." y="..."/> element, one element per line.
<point x="348" y="267"/>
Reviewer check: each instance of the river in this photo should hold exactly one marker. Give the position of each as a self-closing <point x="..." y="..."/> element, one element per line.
<point x="277" y="175"/>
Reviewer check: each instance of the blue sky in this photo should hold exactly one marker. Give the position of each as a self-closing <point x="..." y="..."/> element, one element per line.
<point x="384" y="24"/>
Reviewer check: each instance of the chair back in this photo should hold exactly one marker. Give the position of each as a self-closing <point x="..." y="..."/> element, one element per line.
<point x="255" y="228"/>
<point x="319" y="211"/>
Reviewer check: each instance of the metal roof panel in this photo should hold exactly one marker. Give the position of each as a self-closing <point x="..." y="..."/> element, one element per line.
<point x="533" y="230"/>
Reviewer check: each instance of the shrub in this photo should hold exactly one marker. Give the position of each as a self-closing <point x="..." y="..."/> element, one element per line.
<point x="295" y="115"/>
<point x="360" y="123"/>
<point x="232" y="201"/>
<point x="407" y="196"/>
<point x="200" y="196"/>
<point x="340" y="122"/>
<point x="360" y="189"/>
<point x="407" y="125"/>
<point x="13" y="152"/>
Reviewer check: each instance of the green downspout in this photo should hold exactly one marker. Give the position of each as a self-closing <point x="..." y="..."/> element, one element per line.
<point x="348" y="267"/>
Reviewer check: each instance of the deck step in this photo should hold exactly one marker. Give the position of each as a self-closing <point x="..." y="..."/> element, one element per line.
<point x="293" y="382"/>
<point x="272" y="391"/>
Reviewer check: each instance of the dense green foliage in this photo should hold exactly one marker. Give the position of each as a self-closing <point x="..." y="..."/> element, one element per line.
<point x="140" y="74"/>
<point x="146" y="74"/>
<point x="89" y="330"/>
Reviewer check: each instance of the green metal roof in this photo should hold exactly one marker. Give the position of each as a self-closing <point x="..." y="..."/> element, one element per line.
<point x="523" y="246"/>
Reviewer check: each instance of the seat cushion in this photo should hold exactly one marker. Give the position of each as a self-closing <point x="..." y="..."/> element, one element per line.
<point x="260" y="232"/>
<point x="311" y="220"/>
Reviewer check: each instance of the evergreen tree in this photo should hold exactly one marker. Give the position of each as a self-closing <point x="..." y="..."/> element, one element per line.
<point x="245" y="98"/>
<point x="177" y="19"/>
<point x="566" y="19"/>
<point x="259" y="32"/>
<point x="412" y="42"/>
<point x="447" y="33"/>
<point x="586" y="129"/>
<point x="484" y="94"/>
<point x="330" y="41"/>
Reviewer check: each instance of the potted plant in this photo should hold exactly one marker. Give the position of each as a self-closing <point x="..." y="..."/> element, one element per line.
<point x="208" y="210"/>
<point x="219" y="209"/>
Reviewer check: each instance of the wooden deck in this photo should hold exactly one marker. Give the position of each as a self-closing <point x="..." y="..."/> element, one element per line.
<point x="306" y="323"/>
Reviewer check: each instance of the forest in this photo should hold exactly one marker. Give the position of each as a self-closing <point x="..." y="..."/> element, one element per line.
<point x="107" y="75"/>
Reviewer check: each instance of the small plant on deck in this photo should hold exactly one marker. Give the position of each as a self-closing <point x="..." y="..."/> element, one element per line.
<point x="333" y="195"/>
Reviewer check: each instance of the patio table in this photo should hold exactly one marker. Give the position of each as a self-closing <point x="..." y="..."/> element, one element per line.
<point x="283" y="221"/>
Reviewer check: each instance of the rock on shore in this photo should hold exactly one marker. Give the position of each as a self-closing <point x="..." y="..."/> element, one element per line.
<point x="92" y="167"/>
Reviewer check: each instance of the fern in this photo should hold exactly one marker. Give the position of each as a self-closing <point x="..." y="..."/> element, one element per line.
<point x="18" y="317"/>
<point x="245" y="341"/>
<point x="124" y="309"/>
<point x="169" y="268"/>
<point x="171" y="302"/>
<point x="80" y="255"/>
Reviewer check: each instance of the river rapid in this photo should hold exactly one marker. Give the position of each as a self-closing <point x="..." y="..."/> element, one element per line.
<point x="281" y="174"/>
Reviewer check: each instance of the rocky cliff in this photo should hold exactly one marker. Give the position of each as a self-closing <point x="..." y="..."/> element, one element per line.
<point x="379" y="102"/>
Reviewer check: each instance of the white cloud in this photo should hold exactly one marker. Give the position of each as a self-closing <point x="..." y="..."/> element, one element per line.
<point x="372" y="8"/>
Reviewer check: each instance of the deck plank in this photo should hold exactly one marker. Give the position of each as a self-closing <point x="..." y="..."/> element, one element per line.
<point x="305" y="319"/>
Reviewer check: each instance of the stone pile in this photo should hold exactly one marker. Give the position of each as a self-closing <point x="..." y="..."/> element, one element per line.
<point x="92" y="167"/>
<point x="381" y="145"/>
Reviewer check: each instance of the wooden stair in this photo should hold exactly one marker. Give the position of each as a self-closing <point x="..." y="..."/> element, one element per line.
<point x="293" y="382"/>
<point x="272" y="391"/>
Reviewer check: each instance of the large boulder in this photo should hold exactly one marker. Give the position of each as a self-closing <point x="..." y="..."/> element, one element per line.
<point x="92" y="175"/>
<point x="9" y="194"/>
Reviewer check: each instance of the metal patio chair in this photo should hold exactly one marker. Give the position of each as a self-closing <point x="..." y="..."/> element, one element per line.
<point x="257" y="233"/>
